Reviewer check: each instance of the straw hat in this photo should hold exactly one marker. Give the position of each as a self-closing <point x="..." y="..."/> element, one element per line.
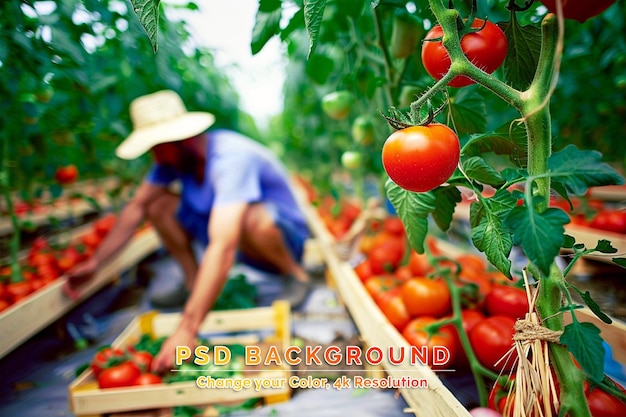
<point x="158" y="118"/>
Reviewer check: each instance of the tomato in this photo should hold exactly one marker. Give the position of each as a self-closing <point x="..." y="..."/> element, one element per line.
<point x="603" y="404"/>
<point x="426" y="297"/>
<point x="378" y="286"/>
<point x="103" y="225"/>
<point x="68" y="258"/>
<point x="363" y="130"/>
<point x="580" y="10"/>
<point x="485" y="48"/>
<point x="421" y="158"/>
<point x="403" y="273"/>
<point x="469" y="319"/>
<point x="142" y="359"/>
<point x="393" y="226"/>
<point x="419" y="265"/>
<point x="351" y="159"/>
<point x="91" y="239"/>
<point x="506" y="300"/>
<point x="491" y="339"/>
<point x="610" y="220"/>
<point x="415" y="333"/>
<point x="386" y="255"/>
<point x="364" y="270"/>
<point x="406" y="32"/>
<point x="122" y="375"/>
<point x="66" y="174"/>
<point x="4" y="304"/>
<point x="18" y="290"/>
<point x="148" y="378"/>
<point x="106" y="356"/>
<point x="394" y="309"/>
<point x="337" y="105"/>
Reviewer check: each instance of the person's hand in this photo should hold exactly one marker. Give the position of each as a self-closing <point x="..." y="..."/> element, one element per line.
<point x="78" y="275"/>
<point x="164" y="360"/>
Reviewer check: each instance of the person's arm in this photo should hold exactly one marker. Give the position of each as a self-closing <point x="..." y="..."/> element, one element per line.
<point x="127" y="222"/>
<point x="225" y="227"/>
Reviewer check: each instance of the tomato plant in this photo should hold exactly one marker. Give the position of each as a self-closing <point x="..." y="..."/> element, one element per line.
<point x="421" y="158"/>
<point x="485" y="46"/>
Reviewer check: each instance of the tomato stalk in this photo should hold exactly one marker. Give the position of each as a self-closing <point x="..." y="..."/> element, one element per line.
<point x="533" y="105"/>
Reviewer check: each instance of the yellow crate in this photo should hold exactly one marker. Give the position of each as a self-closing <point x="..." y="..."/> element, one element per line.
<point x="86" y="398"/>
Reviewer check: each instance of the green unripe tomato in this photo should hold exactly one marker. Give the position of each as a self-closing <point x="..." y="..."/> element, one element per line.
<point x="351" y="160"/>
<point x="409" y="94"/>
<point x="406" y="33"/>
<point x="337" y="105"/>
<point x="363" y="130"/>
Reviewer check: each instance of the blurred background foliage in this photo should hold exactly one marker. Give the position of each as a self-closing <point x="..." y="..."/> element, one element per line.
<point x="68" y="71"/>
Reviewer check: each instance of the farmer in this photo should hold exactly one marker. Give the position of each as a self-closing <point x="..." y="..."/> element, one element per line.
<point x="233" y="197"/>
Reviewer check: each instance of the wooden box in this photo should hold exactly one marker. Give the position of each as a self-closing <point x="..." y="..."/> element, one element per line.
<point x="22" y="320"/>
<point x="249" y="325"/>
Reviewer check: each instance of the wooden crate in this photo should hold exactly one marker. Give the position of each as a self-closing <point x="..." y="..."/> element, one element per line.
<point x="590" y="237"/>
<point x="22" y="320"/>
<point x="87" y="399"/>
<point x="435" y="400"/>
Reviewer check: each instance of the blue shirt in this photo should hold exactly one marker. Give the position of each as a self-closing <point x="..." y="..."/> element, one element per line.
<point x="238" y="170"/>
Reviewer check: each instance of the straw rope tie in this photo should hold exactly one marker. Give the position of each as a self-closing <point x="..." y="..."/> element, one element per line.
<point x="527" y="330"/>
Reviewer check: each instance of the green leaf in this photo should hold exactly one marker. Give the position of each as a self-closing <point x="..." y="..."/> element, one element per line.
<point x="446" y="199"/>
<point x="266" y="24"/>
<point x="605" y="246"/>
<point x="413" y="210"/>
<point x="148" y="13"/>
<point x="593" y="306"/>
<point x="319" y="67"/>
<point x="583" y="340"/>
<point x="479" y="170"/>
<point x="577" y="170"/>
<point x="620" y="262"/>
<point x="540" y="235"/>
<point x="509" y="139"/>
<point x="295" y="23"/>
<point x="522" y="54"/>
<point x="63" y="43"/>
<point x="469" y="112"/>
<point x="491" y="237"/>
<point x="313" y="16"/>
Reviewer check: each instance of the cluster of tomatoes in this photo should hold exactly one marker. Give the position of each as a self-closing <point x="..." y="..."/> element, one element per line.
<point x="45" y="262"/>
<point x="593" y="213"/>
<point x="116" y="367"/>
<point x="408" y="290"/>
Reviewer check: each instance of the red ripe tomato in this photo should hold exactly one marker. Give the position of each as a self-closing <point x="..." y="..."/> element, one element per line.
<point x="485" y="48"/>
<point x="18" y="290"/>
<point x="419" y="265"/>
<point x="491" y="340"/>
<point x="103" y="225"/>
<point x="142" y="359"/>
<point x="421" y="158"/>
<point x="580" y="10"/>
<point x="386" y="256"/>
<point x="610" y="220"/>
<point x="148" y="378"/>
<point x="603" y="404"/>
<point x="66" y="174"/>
<point x="364" y="270"/>
<point x="4" y="304"/>
<point x="104" y="357"/>
<point x="507" y="301"/>
<point x="69" y="257"/>
<point x="469" y="319"/>
<point x="414" y="332"/>
<point x="378" y="286"/>
<point x="394" y="309"/>
<point x="393" y="226"/>
<point x="122" y="375"/>
<point x="426" y="297"/>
